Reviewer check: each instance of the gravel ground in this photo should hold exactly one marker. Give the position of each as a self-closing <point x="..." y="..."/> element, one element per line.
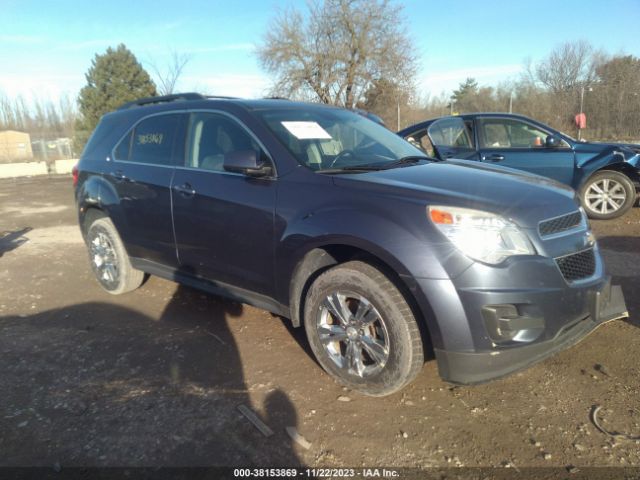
<point x="155" y="377"/>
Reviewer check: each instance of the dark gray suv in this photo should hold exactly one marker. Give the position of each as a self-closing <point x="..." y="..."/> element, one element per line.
<point x="322" y="216"/>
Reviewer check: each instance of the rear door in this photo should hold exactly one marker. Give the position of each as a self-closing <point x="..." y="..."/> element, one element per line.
<point x="141" y="173"/>
<point x="518" y="144"/>
<point x="451" y="138"/>
<point x="223" y="221"/>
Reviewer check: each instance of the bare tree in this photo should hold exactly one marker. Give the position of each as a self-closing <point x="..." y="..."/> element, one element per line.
<point x="570" y="65"/>
<point x="337" y="49"/>
<point x="167" y="77"/>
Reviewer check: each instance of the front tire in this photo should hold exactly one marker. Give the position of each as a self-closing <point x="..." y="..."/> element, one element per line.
<point x="109" y="259"/>
<point x="607" y="194"/>
<point x="361" y="329"/>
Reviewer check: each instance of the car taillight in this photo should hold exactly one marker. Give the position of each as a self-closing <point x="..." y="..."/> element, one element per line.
<point x="74" y="172"/>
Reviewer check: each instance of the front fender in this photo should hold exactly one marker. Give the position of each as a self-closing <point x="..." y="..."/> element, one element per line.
<point x="407" y="250"/>
<point x="613" y="159"/>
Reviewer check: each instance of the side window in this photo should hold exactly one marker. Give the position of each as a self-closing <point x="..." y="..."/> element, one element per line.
<point x="124" y="147"/>
<point x="151" y="141"/>
<point x="450" y="132"/>
<point x="421" y="140"/>
<point x="211" y="136"/>
<point x="496" y="136"/>
<point x="507" y="133"/>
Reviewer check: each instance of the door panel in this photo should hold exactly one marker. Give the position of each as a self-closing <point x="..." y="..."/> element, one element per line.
<point x="223" y="221"/>
<point x="141" y="174"/>
<point x="518" y="144"/>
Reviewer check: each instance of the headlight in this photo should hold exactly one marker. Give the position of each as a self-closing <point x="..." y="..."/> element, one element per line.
<point x="481" y="235"/>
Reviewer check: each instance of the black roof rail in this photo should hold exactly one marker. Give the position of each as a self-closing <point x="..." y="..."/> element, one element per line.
<point x="276" y="98"/>
<point x="163" y="99"/>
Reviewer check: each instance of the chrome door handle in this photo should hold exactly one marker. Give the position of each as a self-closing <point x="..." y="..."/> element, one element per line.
<point x="493" y="158"/>
<point x="186" y="190"/>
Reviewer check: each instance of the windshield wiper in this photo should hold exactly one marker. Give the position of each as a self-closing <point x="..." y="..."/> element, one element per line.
<point x="374" y="167"/>
<point x="408" y="160"/>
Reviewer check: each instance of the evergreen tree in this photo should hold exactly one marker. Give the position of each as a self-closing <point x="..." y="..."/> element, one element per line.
<point x="114" y="78"/>
<point x="468" y="88"/>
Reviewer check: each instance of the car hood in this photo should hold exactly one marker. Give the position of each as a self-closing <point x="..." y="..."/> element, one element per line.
<point x="524" y="198"/>
<point x="602" y="146"/>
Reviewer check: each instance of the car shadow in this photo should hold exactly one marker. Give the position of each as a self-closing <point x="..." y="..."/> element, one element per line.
<point x="98" y="384"/>
<point x="622" y="261"/>
<point x="12" y="240"/>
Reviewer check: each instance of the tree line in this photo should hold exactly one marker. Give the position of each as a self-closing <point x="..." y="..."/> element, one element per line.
<point x="359" y="54"/>
<point x="573" y="78"/>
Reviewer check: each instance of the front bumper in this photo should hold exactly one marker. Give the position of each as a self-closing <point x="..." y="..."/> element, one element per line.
<point x="605" y="304"/>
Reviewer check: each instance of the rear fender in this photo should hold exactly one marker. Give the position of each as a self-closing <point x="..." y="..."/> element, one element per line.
<point x="96" y="192"/>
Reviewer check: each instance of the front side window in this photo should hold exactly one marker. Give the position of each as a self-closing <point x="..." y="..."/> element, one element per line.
<point x="508" y="133"/>
<point x="450" y="132"/>
<point x="327" y="139"/>
<point x="421" y="140"/>
<point x="213" y="135"/>
<point x="151" y="141"/>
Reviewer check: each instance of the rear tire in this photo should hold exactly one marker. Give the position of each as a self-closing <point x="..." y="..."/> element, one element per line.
<point x="109" y="259"/>
<point x="607" y="194"/>
<point x="361" y="329"/>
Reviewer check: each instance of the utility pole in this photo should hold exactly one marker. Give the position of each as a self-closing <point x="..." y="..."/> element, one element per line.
<point x="398" y="115"/>
<point x="582" y="90"/>
<point x="511" y="102"/>
<point x="581" y="104"/>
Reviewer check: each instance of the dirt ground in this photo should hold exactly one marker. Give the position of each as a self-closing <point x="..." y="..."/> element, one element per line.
<point x="155" y="377"/>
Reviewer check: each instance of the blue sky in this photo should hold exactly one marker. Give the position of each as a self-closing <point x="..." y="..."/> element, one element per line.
<point x="46" y="47"/>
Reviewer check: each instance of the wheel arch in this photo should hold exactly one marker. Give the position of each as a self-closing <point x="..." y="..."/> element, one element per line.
<point x="621" y="167"/>
<point x="88" y="215"/>
<point x="321" y="258"/>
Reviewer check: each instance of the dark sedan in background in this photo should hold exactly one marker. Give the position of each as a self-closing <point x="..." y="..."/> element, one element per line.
<point x="605" y="175"/>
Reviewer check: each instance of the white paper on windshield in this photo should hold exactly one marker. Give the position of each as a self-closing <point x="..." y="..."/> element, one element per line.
<point x="306" y="130"/>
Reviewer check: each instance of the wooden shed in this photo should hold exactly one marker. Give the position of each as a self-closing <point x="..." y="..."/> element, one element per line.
<point x="15" y="146"/>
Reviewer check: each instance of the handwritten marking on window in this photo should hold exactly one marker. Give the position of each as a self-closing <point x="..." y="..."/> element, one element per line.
<point x="155" y="138"/>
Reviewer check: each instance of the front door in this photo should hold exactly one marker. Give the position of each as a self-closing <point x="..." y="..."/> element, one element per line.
<point x="223" y="221"/>
<point x="519" y="144"/>
<point x="451" y="138"/>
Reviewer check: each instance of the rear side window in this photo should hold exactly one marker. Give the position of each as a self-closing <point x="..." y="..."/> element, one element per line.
<point x="151" y="141"/>
<point x="124" y="147"/>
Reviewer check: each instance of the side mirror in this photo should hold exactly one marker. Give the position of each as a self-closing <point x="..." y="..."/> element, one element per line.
<point x="247" y="163"/>
<point x="552" y="141"/>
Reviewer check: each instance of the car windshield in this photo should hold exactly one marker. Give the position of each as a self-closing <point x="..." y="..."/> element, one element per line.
<point x="331" y="140"/>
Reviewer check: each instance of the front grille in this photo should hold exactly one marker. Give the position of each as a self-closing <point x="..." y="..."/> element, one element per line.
<point x="560" y="224"/>
<point x="577" y="265"/>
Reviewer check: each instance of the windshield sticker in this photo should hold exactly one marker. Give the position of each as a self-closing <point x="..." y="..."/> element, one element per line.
<point x="306" y="130"/>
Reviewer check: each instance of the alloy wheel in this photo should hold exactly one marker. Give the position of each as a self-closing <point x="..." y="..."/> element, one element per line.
<point x="104" y="259"/>
<point x="353" y="333"/>
<point x="605" y="196"/>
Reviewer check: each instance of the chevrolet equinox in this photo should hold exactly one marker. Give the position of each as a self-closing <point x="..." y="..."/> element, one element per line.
<point x="325" y="217"/>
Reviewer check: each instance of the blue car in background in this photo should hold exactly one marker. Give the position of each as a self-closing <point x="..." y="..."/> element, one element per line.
<point x="605" y="175"/>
